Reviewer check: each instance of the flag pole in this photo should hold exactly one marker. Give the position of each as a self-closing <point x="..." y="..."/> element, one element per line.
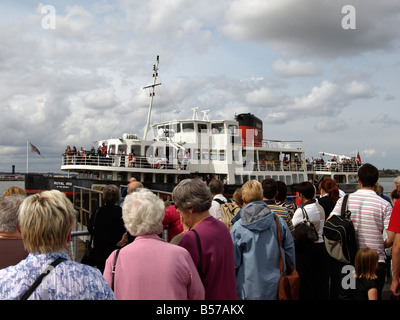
<point x="27" y="156"/>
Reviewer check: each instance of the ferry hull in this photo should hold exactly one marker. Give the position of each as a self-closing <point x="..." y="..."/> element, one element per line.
<point x="35" y="183"/>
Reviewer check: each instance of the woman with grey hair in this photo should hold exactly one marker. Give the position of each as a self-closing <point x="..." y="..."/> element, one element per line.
<point x="12" y="248"/>
<point x="106" y="226"/>
<point x="151" y="268"/>
<point x="208" y="241"/>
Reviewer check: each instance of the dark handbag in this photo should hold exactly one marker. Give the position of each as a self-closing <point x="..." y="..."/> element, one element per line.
<point x="200" y="268"/>
<point x="305" y="232"/>
<point x="289" y="284"/>
<point x="89" y="256"/>
<point x="113" y="269"/>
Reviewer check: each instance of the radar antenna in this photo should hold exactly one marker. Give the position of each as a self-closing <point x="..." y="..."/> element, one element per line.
<point x="152" y="94"/>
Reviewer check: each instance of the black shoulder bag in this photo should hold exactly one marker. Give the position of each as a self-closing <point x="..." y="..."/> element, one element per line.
<point x="200" y="268"/>
<point x="305" y="233"/>
<point x="38" y="281"/>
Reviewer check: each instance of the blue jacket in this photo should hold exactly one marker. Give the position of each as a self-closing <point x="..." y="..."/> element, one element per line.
<point x="256" y="252"/>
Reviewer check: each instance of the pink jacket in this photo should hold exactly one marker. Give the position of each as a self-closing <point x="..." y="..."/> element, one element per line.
<point x="151" y="269"/>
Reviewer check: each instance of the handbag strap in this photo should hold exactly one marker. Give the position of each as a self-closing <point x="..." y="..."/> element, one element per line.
<point x="278" y="234"/>
<point x="305" y="215"/>
<point x="344" y="211"/>
<point x="113" y="269"/>
<point x="200" y="269"/>
<point x="38" y="281"/>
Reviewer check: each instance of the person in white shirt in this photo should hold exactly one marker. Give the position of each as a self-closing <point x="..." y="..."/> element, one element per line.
<point x="311" y="259"/>
<point x="216" y="188"/>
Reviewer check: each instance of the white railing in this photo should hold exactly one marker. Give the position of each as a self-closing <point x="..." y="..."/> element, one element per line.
<point x="121" y="161"/>
<point x="284" y="145"/>
<point x="351" y="167"/>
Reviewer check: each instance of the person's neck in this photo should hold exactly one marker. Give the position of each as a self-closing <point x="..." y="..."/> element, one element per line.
<point x="365" y="188"/>
<point x="199" y="218"/>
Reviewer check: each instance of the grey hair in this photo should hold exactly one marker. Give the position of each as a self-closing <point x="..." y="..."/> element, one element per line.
<point x="143" y="213"/>
<point x="9" y="209"/>
<point x="111" y="194"/>
<point x="192" y="193"/>
<point x="397" y="180"/>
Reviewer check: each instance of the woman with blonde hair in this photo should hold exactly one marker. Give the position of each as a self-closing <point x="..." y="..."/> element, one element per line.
<point x="46" y="220"/>
<point x="150" y="268"/>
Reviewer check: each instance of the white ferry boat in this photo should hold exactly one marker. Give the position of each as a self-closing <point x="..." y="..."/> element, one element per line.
<point x="233" y="151"/>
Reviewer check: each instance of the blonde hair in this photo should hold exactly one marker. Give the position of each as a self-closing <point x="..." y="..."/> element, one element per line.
<point x="14" y="190"/>
<point x="366" y="263"/>
<point x="46" y="220"/>
<point x="252" y="191"/>
<point x="143" y="213"/>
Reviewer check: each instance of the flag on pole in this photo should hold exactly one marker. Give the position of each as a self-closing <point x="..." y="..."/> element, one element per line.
<point x="358" y="157"/>
<point x="34" y="149"/>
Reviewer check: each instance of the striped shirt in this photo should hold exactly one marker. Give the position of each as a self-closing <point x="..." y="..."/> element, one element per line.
<point x="281" y="212"/>
<point x="370" y="215"/>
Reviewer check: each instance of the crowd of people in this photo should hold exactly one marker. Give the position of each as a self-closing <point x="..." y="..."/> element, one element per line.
<point x="204" y="256"/>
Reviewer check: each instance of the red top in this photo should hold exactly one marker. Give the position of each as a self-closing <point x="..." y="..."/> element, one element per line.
<point x="172" y="222"/>
<point x="12" y="251"/>
<point x="394" y="224"/>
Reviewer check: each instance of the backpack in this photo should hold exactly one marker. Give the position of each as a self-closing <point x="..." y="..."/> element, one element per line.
<point x="228" y="212"/>
<point x="340" y="236"/>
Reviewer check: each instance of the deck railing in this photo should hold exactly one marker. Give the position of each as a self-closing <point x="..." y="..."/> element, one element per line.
<point x="85" y="201"/>
<point x="142" y="162"/>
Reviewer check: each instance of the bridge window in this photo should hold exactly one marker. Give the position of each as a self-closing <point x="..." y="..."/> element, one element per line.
<point x="188" y="127"/>
<point x="217" y="128"/>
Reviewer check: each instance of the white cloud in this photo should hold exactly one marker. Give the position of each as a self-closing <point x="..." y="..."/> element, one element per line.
<point x="312" y="27"/>
<point x="295" y="68"/>
<point x="83" y="81"/>
<point x="369" y="153"/>
<point x="100" y="99"/>
<point x="357" y="89"/>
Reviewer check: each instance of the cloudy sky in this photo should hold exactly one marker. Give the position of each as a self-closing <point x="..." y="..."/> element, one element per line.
<point x="311" y="70"/>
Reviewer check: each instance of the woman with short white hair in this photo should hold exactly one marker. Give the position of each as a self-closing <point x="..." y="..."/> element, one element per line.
<point x="150" y="268"/>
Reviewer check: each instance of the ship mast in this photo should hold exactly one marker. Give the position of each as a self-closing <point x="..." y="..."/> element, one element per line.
<point x="152" y="94"/>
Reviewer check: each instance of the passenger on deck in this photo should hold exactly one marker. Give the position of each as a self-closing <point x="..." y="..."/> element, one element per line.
<point x="46" y="220"/>
<point x="150" y="268"/>
<point x="216" y="264"/>
<point x="12" y="248"/>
